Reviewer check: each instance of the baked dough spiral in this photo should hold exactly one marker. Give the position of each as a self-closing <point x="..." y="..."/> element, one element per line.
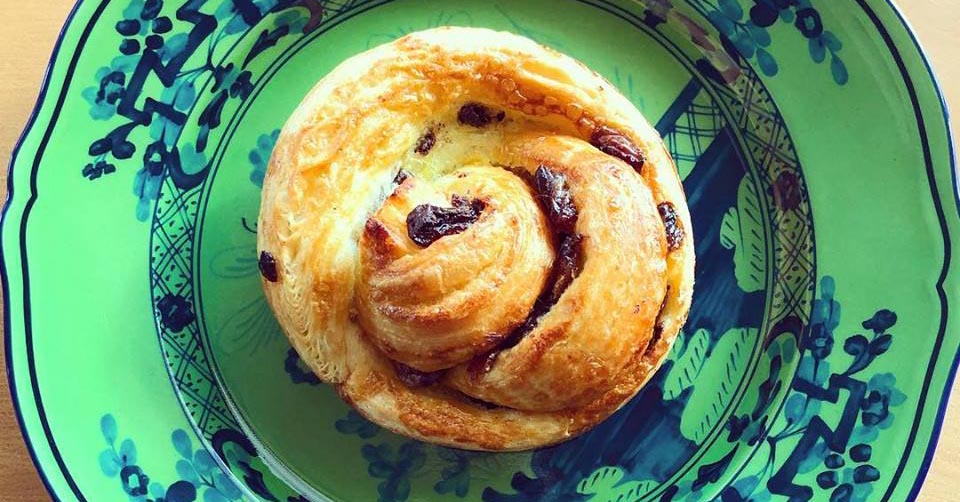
<point x="477" y="240"/>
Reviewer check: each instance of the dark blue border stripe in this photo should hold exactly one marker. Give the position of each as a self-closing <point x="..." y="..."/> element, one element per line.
<point x="952" y="374"/>
<point x="28" y="330"/>
<point x="947" y="248"/>
<point x="938" y="207"/>
<point x="7" y="340"/>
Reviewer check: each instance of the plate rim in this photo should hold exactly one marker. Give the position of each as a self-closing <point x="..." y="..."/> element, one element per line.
<point x="891" y="45"/>
<point x="4" y="276"/>
<point x="945" y="395"/>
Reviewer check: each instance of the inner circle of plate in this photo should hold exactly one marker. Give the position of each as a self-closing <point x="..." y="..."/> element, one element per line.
<point x="755" y="277"/>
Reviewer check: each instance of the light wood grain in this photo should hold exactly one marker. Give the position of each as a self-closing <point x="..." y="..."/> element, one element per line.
<point x="25" y="49"/>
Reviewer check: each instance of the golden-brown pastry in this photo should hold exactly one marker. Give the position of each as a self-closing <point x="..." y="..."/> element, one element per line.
<point x="477" y="240"/>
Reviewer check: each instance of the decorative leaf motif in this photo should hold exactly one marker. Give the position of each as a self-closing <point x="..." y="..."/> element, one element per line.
<point x="250" y="328"/>
<point x="768" y="65"/>
<point x="128" y="452"/>
<point x="799" y="408"/>
<point x="394" y="468"/>
<point x="261" y="155"/>
<point x="181" y="443"/>
<point x="731" y="8"/>
<point x="839" y="70"/>
<point x="815" y="458"/>
<point x="227" y="487"/>
<point x="186" y="471"/>
<point x="299" y="373"/>
<point x="602" y="479"/>
<point x="832" y="41"/>
<point x="157" y="490"/>
<point x="455" y="478"/>
<point x="760" y="35"/>
<point x="818" y="50"/>
<point x="267" y="39"/>
<point x="185" y="96"/>
<point x="746" y="484"/>
<point x="880" y="345"/>
<point x="723" y="23"/>
<point x="688" y="366"/>
<point x="604" y="485"/>
<point x="213" y="496"/>
<point x="784" y="345"/>
<point x="191" y="160"/>
<point x="717" y="382"/>
<point x="826" y="310"/>
<point x="793" y="410"/>
<point x="814" y="371"/>
<point x="234" y="262"/>
<point x="744" y="44"/>
<point x="855" y="345"/>
<point x="203" y="462"/>
<point x="710" y="473"/>
<point x="108" y="426"/>
<point x="881" y="321"/>
<point x="355" y="423"/>
<point x="109" y="463"/>
<point x="742" y="231"/>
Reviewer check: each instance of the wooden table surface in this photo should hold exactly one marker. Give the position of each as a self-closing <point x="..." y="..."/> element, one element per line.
<point x="25" y="49"/>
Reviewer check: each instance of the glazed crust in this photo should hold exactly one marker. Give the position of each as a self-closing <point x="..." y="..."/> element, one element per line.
<point x="356" y="296"/>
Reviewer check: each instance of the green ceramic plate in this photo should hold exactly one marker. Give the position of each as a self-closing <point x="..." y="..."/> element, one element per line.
<point x="816" y="157"/>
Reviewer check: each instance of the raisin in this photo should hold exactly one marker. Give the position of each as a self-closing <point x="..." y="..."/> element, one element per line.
<point x="554" y="197"/>
<point x="478" y="115"/>
<point x="658" y="326"/>
<point x="654" y="340"/>
<point x="426" y="142"/>
<point x="268" y="266"/>
<point x="459" y="201"/>
<point x="671" y="224"/>
<point x="482" y="364"/>
<point x="786" y="191"/>
<point x="615" y="144"/>
<point x="566" y="267"/>
<point x="427" y="223"/>
<point x="416" y="378"/>
<point x="400" y="177"/>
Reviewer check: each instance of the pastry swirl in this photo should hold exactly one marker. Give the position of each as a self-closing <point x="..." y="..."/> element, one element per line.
<point x="477" y="240"/>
